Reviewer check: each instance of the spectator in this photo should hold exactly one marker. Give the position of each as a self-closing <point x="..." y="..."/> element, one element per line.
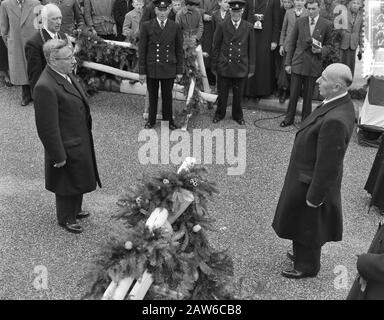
<point x="207" y="8"/>
<point x="71" y="13"/>
<point x="306" y="47"/>
<point x="190" y="21"/>
<point x="132" y="21"/>
<point x="17" y="25"/>
<point x="264" y="16"/>
<point x="51" y="16"/>
<point x="352" y="38"/>
<point x="369" y="283"/>
<point x="98" y="16"/>
<point x="290" y="18"/>
<point x="4" y="67"/>
<point x="222" y="13"/>
<point x="120" y="9"/>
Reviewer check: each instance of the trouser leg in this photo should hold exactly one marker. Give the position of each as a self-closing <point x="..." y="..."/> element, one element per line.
<point x="309" y="86"/>
<point x="66" y="208"/>
<point x="306" y="259"/>
<point x="223" y="91"/>
<point x="166" y="96"/>
<point x="293" y="98"/>
<point x="238" y="85"/>
<point x="153" y="93"/>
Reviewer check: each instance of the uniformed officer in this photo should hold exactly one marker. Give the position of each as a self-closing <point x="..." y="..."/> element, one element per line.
<point x="160" y="60"/>
<point x="233" y="60"/>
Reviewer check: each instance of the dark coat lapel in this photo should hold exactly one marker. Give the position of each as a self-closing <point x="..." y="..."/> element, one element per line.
<point x="306" y="28"/>
<point x="79" y="88"/>
<point x="164" y="31"/>
<point x="64" y="83"/>
<point x="322" y="110"/>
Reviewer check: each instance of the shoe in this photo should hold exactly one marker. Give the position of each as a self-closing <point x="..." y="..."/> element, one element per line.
<point x="240" y="122"/>
<point x="83" y="214"/>
<point x="148" y="126"/>
<point x="216" y="120"/>
<point x="283" y="97"/>
<point x="72" y="227"/>
<point x="25" y="101"/>
<point x="285" y="123"/>
<point x="172" y="126"/>
<point x="295" y="274"/>
<point x="290" y="256"/>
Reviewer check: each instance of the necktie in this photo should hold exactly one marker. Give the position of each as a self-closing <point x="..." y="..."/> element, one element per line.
<point x="235" y="24"/>
<point x="162" y="24"/>
<point x="312" y="21"/>
<point x="55" y="36"/>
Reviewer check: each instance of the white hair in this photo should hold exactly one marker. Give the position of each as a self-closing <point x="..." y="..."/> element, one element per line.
<point x="45" y="12"/>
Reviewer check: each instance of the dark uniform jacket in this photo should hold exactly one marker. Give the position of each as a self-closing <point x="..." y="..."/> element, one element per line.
<point x="64" y="127"/>
<point x="299" y="47"/>
<point x="120" y="9"/>
<point x="314" y="173"/>
<point x="371" y="267"/>
<point x="233" y="50"/>
<point x="35" y="56"/>
<point x="161" y="50"/>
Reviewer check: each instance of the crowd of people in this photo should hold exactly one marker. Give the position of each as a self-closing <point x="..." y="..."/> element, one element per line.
<point x="252" y="47"/>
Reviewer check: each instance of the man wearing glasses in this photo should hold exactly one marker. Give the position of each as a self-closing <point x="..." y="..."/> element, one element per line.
<point x="64" y="127"/>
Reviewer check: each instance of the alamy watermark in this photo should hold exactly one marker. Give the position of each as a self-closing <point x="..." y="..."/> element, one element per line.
<point x="173" y="147"/>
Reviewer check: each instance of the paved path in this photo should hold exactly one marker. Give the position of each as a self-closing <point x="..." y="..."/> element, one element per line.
<point x="30" y="236"/>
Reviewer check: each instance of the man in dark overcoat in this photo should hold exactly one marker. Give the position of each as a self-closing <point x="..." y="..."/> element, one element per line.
<point x="369" y="283"/>
<point x="36" y="63"/>
<point x="233" y="60"/>
<point x="304" y="59"/>
<point x="64" y="125"/>
<point x="160" y="60"/>
<point x="309" y="209"/>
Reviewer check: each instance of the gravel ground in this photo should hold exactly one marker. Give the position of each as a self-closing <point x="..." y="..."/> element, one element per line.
<point x="244" y="209"/>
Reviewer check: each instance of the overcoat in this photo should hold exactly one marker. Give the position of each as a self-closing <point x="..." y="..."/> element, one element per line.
<point x="35" y="56"/>
<point x="233" y="53"/>
<point x="315" y="173"/>
<point x="263" y="81"/>
<point x="16" y="28"/>
<point x="299" y="47"/>
<point x="160" y="50"/>
<point x="371" y="267"/>
<point x="64" y="125"/>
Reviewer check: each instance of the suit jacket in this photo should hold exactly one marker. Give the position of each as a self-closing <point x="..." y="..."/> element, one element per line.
<point x="35" y="56"/>
<point x="120" y="9"/>
<point x="64" y="125"/>
<point x="234" y="50"/>
<point x="16" y="28"/>
<point x="314" y="173"/>
<point x="353" y="36"/>
<point x="371" y="267"/>
<point x="299" y="51"/>
<point x="161" y="50"/>
<point x="288" y="25"/>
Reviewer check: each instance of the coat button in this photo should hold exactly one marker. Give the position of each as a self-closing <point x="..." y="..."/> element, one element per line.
<point x="239" y="43"/>
<point x="157" y="44"/>
<point x="229" y="60"/>
<point x="157" y="60"/>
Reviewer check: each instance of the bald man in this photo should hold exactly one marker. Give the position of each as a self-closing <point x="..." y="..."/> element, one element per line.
<point x="51" y="17"/>
<point x="309" y="209"/>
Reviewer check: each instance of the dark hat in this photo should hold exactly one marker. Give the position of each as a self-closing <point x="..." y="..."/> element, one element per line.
<point x="236" y="4"/>
<point x="162" y="3"/>
<point x="192" y="2"/>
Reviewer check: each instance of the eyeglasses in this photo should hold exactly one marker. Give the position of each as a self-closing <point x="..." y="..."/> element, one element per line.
<point x="71" y="57"/>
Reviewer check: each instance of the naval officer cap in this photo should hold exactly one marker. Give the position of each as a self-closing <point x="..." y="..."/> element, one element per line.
<point x="236" y="4"/>
<point x="162" y="4"/>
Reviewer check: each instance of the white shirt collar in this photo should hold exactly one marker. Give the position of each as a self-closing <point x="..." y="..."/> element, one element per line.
<point x="62" y="74"/>
<point x="335" y="98"/>
<point x="159" y="21"/>
<point x="238" y="22"/>
<point x="51" y="34"/>
<point x="316" y="18"/>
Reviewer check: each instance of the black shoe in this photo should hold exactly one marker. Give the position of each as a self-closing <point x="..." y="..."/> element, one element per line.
<point x="290" y="256"/>
<point x="72" y="227"/>
<point x="283" y="97"/>
<point x="25" y="101"/>
<point x="172" y="126"/>
<point x="295" y="274"/>
<point x="83" y="214"/>
<point x="148" y="126"/>
<point x="285" y="123"/>
<point x="216" y="120"/>
<point x="240" y="122"/>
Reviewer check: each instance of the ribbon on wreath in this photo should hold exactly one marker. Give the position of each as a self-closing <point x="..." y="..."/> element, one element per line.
<point x="181" y="199"/>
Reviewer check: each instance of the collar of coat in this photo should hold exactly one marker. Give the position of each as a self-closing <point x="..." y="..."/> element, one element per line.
<point x="321" y="110"/>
